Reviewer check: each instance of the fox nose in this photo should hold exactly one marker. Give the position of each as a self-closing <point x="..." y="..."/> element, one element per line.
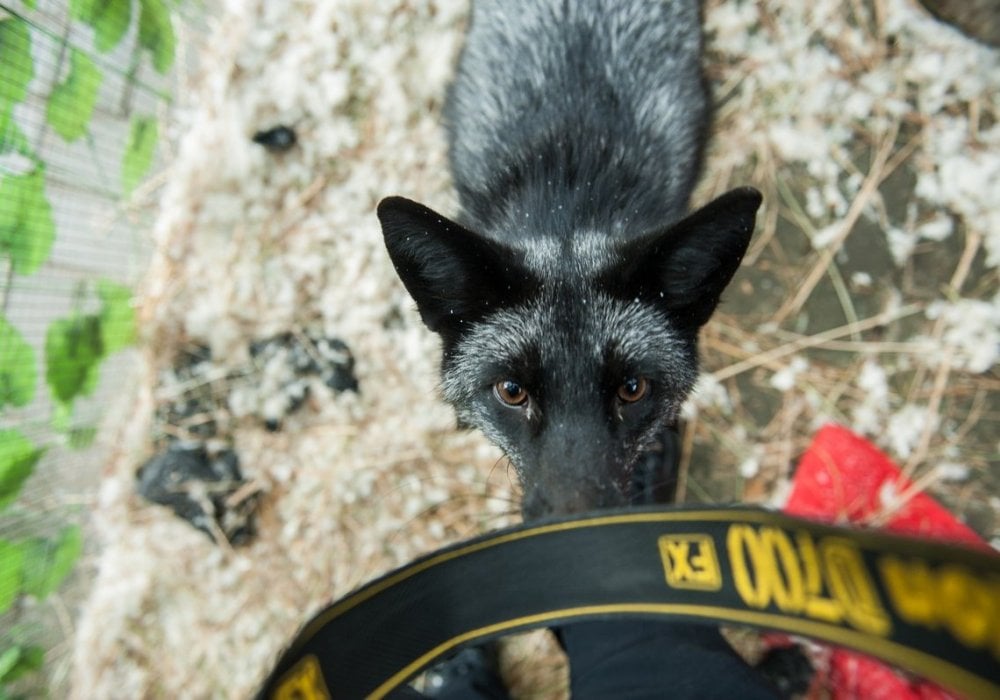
<point x="574" y="470"/>
<point x="568" y="497"/>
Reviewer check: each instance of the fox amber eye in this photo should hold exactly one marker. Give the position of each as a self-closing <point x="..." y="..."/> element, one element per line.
<point x="633" y="389"/>
<point x="510" y="392"/>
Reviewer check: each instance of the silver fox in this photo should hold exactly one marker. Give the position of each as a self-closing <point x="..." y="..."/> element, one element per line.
<point x="569" y="291"/>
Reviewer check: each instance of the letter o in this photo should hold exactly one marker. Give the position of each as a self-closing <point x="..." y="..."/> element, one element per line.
<point x="742" y="541"/>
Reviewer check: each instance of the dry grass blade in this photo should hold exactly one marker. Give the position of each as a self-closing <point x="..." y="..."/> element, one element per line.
<point x="777" y="353"/>
<point x="879" y="170"/>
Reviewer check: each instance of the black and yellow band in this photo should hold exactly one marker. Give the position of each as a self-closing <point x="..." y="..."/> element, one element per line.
<point x="931" y="608"/>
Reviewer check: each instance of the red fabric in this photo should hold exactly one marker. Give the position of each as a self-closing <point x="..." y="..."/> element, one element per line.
<point x="854" y="675"/>
<point x="844" y="478"/>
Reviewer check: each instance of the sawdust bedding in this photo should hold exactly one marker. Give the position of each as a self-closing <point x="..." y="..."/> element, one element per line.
<point x="253" y="244"/>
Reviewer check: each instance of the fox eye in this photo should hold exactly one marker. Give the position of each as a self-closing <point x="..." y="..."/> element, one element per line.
<point x="510" y="392"/>
<point x="633" y="389"/>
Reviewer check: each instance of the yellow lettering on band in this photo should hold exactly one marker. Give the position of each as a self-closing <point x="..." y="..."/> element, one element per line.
<point x="850" y="584"/>
<point x="743" y="543"/>
<point x="910" y="588"/>
<point x="689" y="561"/>
<point x="303" y="682"/>
<point x="952" y="598"/>
<point x="818" y="607"/>
<point x="789" y="590"/>
<point x="769" y="567"/>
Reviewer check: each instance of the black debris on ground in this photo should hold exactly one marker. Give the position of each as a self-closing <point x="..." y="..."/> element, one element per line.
<point x="286" y="365"/>
<point x="205" y="489"/>
<point x="193" y="408"/>
<point x="195" y="471"/>
<point x="277" y="139"/>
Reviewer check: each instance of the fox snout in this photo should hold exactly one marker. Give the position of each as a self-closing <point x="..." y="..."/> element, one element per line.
<point x="554" y="498"/>
<point x="573" y="473"/>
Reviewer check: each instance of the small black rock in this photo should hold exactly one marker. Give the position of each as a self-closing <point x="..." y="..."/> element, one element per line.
<point x="339" y="371"/>
<point x="277" y="139"/>
<point x="199" y="488"/>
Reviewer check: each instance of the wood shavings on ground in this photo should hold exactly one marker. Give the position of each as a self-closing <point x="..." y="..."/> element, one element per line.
<point x="250" y="245"/>
<point x="818" y="105"/>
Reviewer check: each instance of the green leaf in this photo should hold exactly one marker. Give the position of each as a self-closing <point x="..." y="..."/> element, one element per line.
<point x="37" y="555"/>
<point x="23" y="661"/>
<point x="109" y="18"/>
<point x="81" y="437"/>
<point x="12" y="139"/>
<point x="18" y="373"/>
<point x="27" y="229"/>
<point x="139" y="152"/>
<point x="67" y="553"/>
<point x="71" y="103"/>
<point x="8" y="660"/>
<point x="48" y="562"/>
<point x="83" y="10"/>
<point x="15" y="57"/>
<point x="117" y="316"/>
<point x="32" y="659"/>
<point x="62" y="417"/>
<point x="11" y="563"/>
<point x="17" y="461"/>
<point x="156" y="33"/>
<point x="93" y="376"/>
<point x="73" y="352"/>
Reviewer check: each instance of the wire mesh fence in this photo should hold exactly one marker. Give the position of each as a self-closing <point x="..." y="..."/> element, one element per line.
<point x="82" y="87"/>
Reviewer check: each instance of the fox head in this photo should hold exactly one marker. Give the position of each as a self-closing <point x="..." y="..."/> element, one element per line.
<point x="569" y="353"/>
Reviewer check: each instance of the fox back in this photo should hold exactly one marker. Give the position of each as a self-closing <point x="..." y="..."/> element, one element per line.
<point x="569" y="290"/>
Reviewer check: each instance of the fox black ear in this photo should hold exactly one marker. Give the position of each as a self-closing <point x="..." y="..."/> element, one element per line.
<point x="453" y="274"/>
<point x="685" y="267"/>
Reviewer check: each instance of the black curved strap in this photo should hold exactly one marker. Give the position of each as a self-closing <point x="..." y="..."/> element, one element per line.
<point x="928" y="607"/>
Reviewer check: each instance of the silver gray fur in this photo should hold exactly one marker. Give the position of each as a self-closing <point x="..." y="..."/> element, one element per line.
<point x="544" y="71"/>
